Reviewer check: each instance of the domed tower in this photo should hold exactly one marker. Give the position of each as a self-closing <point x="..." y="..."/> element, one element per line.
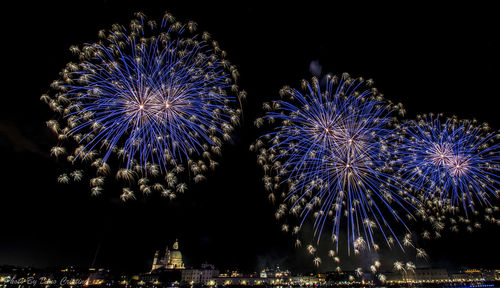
<point x="175" y="257"/>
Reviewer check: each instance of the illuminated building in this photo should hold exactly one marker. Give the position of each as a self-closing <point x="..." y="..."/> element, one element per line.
<point x="474" y="275"/>
<point x="204" y="276"/>
<point x="98" y="277"/>
<point x="425" y="275"/>
<point x="171" y="261"/>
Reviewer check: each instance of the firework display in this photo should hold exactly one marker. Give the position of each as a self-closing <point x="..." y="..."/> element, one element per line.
<point x="150" y="104"/>
<point x="332" y="151"/>
<point x="455" y="161"/>
<point x="453" y="166"/>
<point x="339" y="159"/>
<point x="147" y="103"/>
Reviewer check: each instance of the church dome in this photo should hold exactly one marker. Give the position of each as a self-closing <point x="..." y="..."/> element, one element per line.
<point x="175" y="258"/>
<point x="175" y="254"/>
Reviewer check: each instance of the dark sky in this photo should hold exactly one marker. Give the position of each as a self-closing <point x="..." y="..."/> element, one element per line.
<point x="433" y="59"/>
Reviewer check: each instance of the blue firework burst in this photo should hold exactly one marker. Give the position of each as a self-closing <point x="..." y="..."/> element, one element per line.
<point x="155" y="96"/>
<point x="332" y="150"/>
<point x="455" y="161"/>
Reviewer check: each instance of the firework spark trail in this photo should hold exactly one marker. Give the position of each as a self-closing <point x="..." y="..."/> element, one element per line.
<point x="152" y="97"/>
<point x="332" y="150"/>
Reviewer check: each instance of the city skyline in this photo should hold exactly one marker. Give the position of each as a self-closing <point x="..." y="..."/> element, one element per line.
<point x="445" y="63"/>
<point x="209" y="276"/>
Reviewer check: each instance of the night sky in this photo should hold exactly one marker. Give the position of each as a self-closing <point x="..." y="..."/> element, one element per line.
<point x="433" y="59"/>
